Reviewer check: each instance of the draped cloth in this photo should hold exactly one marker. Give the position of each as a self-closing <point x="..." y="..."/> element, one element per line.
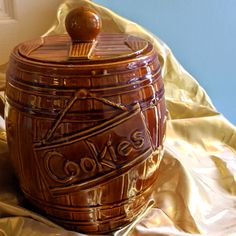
<point x="195" y="191"/>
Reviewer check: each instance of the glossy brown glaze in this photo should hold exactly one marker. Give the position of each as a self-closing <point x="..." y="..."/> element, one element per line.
<point x="85" y="127"/>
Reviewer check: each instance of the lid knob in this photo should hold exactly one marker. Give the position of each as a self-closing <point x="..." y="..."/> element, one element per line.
<point x="83" y="25"/>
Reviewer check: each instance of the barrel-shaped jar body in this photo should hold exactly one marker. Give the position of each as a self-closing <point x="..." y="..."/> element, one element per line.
<point x="86" y="140"/>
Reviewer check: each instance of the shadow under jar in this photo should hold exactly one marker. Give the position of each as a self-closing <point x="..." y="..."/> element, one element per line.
<point x="85" y="119"/>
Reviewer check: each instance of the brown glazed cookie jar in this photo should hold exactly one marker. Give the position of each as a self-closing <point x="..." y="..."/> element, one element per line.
<point x="85" y="119"/>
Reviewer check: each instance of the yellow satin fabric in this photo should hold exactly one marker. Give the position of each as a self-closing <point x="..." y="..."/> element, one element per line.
<point x="196" y="188"/>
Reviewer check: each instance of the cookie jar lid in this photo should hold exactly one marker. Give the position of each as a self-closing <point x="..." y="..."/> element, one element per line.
<point x="84" y="43"/>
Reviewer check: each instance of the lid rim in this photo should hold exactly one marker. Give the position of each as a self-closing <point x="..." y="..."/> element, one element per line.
<point x="129" y="62"/>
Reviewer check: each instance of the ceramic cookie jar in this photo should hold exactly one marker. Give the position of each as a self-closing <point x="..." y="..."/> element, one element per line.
<point x="85" y="118"/>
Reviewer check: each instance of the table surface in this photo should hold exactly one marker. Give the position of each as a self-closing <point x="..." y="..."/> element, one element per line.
<point x="202" y="36"/>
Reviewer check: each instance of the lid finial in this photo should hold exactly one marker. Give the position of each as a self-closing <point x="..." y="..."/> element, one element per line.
<point x="83" y="25"/>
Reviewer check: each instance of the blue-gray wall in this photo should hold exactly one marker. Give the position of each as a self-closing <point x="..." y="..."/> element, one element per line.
<point x="201" y="34"/>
